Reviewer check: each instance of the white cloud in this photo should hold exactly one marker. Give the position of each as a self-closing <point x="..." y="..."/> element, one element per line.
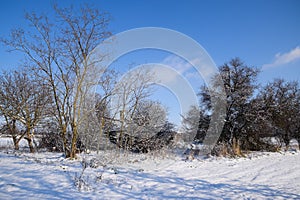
<point x="184" y="69"/>
<point x="284" y="58"/>
<point x="180" y="65"/>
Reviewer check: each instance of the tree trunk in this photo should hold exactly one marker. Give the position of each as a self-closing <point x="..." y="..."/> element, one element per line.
<point x="30" y="141"/>
<point x="14" y="135"/>
<point x="298" y="140"/>
<point x="74" y="141"/>
<point x="66" y="148"/>
<point x="16" y="142"/>
<point x="236" y="147"/>
<point x="286" y="140"/>
<point x="100" y="134"/>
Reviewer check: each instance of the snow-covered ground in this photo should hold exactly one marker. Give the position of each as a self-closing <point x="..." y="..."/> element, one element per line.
<point x="111" y="176"/>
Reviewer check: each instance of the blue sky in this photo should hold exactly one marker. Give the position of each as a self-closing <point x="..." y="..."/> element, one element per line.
<point x="264" y="34"/>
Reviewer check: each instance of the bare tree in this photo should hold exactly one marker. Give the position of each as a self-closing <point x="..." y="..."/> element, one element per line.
<point x="10" y="108"/>
<point x="195" y="124"/>
<point x="101" y="119"/>
<point x="281" y="102"/>
<point x="24" y="99"/>
<point x="58" y="49"/>
<point x="82" y="34"/>
<point x="239" y="83"/>
<point x="134" y="88"/>
<point x="148" y="119"/>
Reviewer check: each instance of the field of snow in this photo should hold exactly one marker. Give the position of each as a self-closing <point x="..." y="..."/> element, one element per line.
<point x="111" y="176"/>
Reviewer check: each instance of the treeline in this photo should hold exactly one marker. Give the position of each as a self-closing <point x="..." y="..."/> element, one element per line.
<point x="255" y="115"/>
<point x="53" y="93"/>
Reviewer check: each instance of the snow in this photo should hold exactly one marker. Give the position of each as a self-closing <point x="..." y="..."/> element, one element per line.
<point x="7" y="142"/>
<point x="130" y="176"/>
